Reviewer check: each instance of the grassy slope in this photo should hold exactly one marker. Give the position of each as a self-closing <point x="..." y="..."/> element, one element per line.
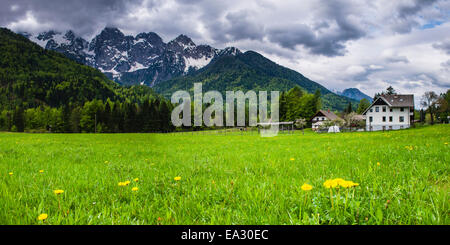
<point x="229" y="179"/>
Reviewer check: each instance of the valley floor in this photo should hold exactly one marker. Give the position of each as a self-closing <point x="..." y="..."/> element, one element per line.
<point x="403" y="178"/>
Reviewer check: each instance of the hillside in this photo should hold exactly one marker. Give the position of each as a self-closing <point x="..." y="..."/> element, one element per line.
<point x="250" y="71"/>
<point x="34" y="76"/>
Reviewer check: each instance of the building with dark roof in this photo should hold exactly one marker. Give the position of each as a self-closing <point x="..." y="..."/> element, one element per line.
<point x="390" y="112"/>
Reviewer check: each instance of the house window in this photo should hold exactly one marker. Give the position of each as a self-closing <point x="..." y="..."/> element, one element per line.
<point x="402" y="109"/>
<point x="384" y="108"/>
<point x="384" y="119"/>
<point x="401" y="119"/>
<point x="390" y="109"/>
<point x="391" y="119"/>
<point x="370" y="119"/>
<point x="390" y="127"/>
<point x="371" y="110"/>
<point x="377" y="109"/>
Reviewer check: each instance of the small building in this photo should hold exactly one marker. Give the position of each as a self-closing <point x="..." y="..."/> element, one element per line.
<point x="390" y="112"/>
<point x="321" y="117"/>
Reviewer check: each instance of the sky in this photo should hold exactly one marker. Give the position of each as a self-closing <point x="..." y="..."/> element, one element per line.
<point x="366" y="44"/>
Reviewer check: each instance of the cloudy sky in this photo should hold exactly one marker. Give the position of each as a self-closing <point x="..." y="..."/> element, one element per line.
<point x="367" y="44"/>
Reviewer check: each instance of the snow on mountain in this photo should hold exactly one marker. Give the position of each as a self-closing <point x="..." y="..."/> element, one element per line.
<point x="196" y="63"/>
<point x="143" y="59"/>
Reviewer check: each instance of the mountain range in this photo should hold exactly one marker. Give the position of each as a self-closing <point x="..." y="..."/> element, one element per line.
<point x="354" y="93"/>
<point x="146" y="59"/>
<point x="141" y="59"/>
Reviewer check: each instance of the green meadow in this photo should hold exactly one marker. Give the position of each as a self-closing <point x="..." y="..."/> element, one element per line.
<point x="234" y="178"/>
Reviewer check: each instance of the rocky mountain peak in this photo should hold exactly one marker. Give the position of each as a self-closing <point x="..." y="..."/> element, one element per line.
<point x="230" y="51"/>
<point x="143" y="59"/>
<point x="150" y="37"/>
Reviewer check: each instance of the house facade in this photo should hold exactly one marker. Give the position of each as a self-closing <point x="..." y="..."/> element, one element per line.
<point x="390" y="112"/>
<point x="321" y="117"/>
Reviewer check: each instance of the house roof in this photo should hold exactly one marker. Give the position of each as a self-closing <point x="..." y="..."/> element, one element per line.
<point x="394" y="100"/>
<point x="399" y="100"/>
<point x="328" y="114"/>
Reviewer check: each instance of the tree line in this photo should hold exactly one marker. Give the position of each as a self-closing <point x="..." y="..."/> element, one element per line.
<point x="153" y="115"/>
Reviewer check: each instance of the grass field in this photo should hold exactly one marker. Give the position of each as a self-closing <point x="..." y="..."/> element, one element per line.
<point x="403" y="178"/>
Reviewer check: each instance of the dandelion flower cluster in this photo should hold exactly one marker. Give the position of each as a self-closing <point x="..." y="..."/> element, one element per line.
<point x="125" y="183"/>
<point x="336" y="183"/>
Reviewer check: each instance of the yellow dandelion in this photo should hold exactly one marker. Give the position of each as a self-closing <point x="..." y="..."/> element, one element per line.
<point x="134" y="189"/>
<point x="292" y="159"/>
<point x="136" y="180"/>
<point x="10" y="173"/>
<point x="446" y="143"/>
<point x="122" y="184"/>
<point x="127" y="182"/>
<point x="42" y="217"/>
<point x="57" y="192"/>
<point x="178" y="178"/>
<point x="331" y="183"/>
<point x="327" y="184"/>
<point x="41" y="171"/>
<point x="306" y="187"/>
<point x="378" y="164"/>
<point x="339" y="181"/>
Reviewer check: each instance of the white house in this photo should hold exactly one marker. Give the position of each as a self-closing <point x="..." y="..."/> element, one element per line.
<point x="321" y="117"/>
<point x="390" y="112"/>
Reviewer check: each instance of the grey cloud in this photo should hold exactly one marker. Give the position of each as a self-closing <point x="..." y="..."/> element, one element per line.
<point x="241" y="27"/>
<point x="446" y="65"/>
<point x="397" y="59"/>
<point x="444" y="46"/>
<point x="326" y="37"/>
<point x="406" y="10"/>
<point x="406" y="13"/>
<point x="84" y="16"/>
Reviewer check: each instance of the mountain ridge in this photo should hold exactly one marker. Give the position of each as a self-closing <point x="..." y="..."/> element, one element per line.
<point x="141" y="59"/>
<point x="250" y="71"/>
<point x="354" y="93"/>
